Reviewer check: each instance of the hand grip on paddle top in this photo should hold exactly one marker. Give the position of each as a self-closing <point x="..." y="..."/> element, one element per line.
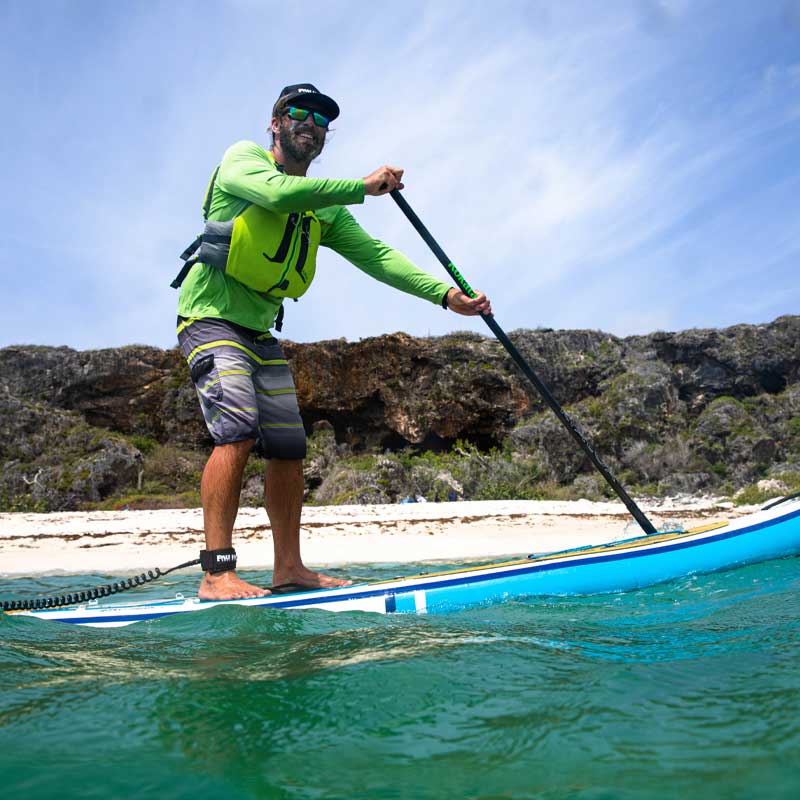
<point x="468" y="306"/>
<point x="383" y="180"/>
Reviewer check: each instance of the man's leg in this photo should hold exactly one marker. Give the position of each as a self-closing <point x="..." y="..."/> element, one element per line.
<point x="284" y="500"/>
<point x="220" y="490"/>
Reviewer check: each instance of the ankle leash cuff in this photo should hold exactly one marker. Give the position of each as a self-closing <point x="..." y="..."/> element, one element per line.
<point x="216" y="561"/>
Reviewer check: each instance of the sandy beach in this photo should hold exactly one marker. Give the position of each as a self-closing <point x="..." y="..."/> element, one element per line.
<point x="121" y="542"/>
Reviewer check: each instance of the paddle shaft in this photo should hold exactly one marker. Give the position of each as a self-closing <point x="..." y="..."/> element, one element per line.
<point x="562" y="415"/>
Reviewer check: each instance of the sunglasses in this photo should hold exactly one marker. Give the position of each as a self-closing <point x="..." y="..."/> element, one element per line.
<point x="301" y="114"/>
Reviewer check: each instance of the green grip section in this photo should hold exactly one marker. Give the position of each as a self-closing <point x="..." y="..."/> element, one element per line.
<point x="459" y="279"/>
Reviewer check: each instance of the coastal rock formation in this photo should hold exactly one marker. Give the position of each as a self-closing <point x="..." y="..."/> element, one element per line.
<point x="687" y="411"/>
<point x="53" y="460"/>
<point x="132" y="390"/>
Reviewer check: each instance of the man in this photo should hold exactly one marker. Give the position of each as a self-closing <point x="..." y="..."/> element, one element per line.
<point x="265" y="220"/>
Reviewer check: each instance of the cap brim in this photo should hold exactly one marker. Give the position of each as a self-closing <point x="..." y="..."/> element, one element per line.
<point x="315" y="101"/>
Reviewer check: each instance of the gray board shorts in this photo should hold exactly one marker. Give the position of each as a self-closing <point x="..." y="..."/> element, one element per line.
<point x="244" y="385"/>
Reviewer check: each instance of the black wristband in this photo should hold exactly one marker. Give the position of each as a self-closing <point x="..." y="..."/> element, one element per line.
<point x="445" y="306"/>
<point x="216" y="561"/>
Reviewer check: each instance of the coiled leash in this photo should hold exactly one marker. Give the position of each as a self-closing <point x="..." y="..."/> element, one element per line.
<point x="213" y="561"/>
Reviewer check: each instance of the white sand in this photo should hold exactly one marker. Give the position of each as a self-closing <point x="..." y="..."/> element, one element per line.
<point x="121" y="542"/>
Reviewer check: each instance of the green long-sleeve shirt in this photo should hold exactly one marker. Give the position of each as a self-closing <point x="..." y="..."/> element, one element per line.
<point x="249" y="174"/>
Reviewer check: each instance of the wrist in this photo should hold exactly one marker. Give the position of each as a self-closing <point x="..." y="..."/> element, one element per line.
<point x="446" y="299"/>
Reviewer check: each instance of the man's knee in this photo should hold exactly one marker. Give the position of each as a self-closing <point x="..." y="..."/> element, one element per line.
<point x="283" y="444"/>
<point x="233" y="452"/>
<point x="244" y="446"/>
<point x="285" y="469"/>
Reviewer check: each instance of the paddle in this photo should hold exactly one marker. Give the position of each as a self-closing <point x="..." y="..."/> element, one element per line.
<point x="562" y="415"/>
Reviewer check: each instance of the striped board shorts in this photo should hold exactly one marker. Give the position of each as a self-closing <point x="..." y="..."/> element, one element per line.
<point x="244" y="385"/>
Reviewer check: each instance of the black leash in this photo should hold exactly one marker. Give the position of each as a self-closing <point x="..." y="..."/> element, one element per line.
<point x="95" y="592"/>
<point x="562" y="415"/>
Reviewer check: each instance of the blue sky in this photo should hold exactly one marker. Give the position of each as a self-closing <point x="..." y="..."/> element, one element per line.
<point x="628" y="166"/>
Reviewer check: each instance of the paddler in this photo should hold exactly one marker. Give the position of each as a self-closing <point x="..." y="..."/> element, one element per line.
<point x="264" y="222"/>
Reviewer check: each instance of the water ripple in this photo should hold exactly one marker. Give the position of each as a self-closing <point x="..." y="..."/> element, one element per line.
<point x="691" y="685"/>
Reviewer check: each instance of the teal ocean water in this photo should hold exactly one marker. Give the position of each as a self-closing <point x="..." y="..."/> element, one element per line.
<point x="687" y="689"/>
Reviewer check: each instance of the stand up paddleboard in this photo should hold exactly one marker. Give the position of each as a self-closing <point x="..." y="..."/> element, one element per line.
<point x="770" y="533"/>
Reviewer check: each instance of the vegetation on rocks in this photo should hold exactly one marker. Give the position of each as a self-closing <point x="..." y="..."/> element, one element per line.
<point x="393" y="418"/>
<point x="53" y="460"/>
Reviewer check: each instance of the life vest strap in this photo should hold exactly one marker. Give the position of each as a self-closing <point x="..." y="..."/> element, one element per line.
<point x="192" y="248"/>
<point x="181" y="276"/>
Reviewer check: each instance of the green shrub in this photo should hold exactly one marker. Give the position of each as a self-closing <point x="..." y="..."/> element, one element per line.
<point x="22" y="503"/>
<point x="753" y="496"/>
<point x="146" y="500"/>
<point x="463" y="473"/>
<point x="144" y="444"/>
<point x="168" y="468"/>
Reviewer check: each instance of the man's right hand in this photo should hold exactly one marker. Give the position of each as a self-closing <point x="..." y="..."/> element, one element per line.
<point x="383" y="180"/>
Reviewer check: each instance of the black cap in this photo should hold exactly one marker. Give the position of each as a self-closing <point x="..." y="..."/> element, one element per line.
<point x="306" y="95"/>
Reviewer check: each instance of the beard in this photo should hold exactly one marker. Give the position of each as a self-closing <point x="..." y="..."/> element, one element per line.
<point x="300" y="148"/>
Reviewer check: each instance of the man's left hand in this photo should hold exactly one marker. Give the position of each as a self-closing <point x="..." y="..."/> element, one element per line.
<point x="468" y="306"/>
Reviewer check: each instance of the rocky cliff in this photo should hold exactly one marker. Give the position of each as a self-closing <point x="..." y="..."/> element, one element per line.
<point x="690" y="411"/>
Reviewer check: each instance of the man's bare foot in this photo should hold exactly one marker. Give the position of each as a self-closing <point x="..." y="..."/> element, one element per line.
<point x="228" y="586"/>
<point x="306" y="578"/>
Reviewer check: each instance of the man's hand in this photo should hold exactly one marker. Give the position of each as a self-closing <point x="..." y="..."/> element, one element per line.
<point x="383" y="180"/>
<point x="468" y="306"/>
